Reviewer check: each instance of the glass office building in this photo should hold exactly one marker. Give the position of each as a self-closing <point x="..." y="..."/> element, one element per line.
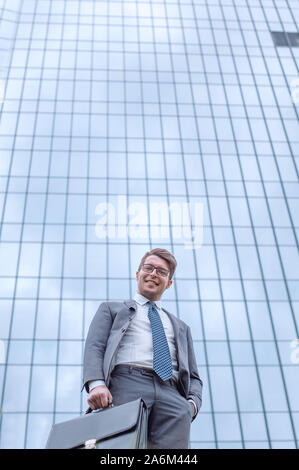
<point x="135" y="124"/>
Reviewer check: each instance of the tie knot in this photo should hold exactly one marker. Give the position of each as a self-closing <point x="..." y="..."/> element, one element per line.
<point x="152" y="304"/>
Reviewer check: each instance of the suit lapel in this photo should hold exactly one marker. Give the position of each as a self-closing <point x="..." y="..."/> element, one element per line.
<point x="131" y="304"/>
<point x="175" y="323"/>
<point x="127" y="313"/>
<point x="177" y="331"/>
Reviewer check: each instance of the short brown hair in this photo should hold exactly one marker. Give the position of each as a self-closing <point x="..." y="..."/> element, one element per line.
<point x="164" y="254"/>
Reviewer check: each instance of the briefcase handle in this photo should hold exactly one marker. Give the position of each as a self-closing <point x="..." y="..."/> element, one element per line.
<point x="89" y="410"/>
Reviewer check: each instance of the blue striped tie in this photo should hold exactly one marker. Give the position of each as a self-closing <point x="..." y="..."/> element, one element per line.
<point x="162" y="359"/>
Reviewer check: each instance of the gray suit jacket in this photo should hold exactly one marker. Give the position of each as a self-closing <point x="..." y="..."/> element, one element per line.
<point x="105" y="333"/>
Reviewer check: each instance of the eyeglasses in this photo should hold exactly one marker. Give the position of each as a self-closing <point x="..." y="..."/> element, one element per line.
<point x="149" y="268"/>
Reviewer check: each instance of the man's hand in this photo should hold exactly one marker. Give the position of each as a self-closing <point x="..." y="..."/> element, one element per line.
<point x="194" y="409"/>
<point x="99" y="397"/>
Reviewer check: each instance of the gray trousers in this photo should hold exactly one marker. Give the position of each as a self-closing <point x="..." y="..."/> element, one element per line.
<point x="169" y="413"/>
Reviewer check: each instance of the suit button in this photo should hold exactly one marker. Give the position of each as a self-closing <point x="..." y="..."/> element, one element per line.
<point x="123" y="330"/>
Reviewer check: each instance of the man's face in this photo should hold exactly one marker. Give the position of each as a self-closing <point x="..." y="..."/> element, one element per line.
<point x="151" y="285"/>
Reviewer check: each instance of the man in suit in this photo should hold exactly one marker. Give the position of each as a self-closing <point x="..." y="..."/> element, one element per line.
<point x="136" y="348"/>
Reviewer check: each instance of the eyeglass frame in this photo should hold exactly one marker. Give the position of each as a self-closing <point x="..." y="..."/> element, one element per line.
<point x="156" y="268"/>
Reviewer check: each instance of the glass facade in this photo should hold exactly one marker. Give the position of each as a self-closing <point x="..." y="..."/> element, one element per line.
<point x="128" y="125"/>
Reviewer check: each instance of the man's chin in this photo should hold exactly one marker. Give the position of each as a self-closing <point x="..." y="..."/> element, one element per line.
<point x="149" y="291"/>
<point x="150" y="285"/>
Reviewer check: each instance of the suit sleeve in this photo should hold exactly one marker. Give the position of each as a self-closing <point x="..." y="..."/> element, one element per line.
<point x="95" y="345"/>
<point x="195" y="389"/>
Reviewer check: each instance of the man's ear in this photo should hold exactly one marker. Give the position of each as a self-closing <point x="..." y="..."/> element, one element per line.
<point x="137" y="272"/>
<point x="169" y="283"/>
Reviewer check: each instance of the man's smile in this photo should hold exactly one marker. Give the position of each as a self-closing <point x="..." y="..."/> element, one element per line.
<point x="155" y="283"/>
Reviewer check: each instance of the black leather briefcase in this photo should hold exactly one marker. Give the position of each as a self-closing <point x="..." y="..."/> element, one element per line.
<point x="120" y="427"/>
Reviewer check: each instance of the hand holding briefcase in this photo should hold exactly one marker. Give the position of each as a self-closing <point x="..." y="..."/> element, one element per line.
<point x="120" y="427"/>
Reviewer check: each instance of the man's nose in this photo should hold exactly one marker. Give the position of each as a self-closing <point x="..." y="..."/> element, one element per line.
<point x="154" y="272"/>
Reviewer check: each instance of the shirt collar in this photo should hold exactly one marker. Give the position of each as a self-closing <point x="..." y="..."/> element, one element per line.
<point x="141" y="300"/>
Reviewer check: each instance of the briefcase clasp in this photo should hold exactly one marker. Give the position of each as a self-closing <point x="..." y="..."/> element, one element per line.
<point x="90" y="444"/>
